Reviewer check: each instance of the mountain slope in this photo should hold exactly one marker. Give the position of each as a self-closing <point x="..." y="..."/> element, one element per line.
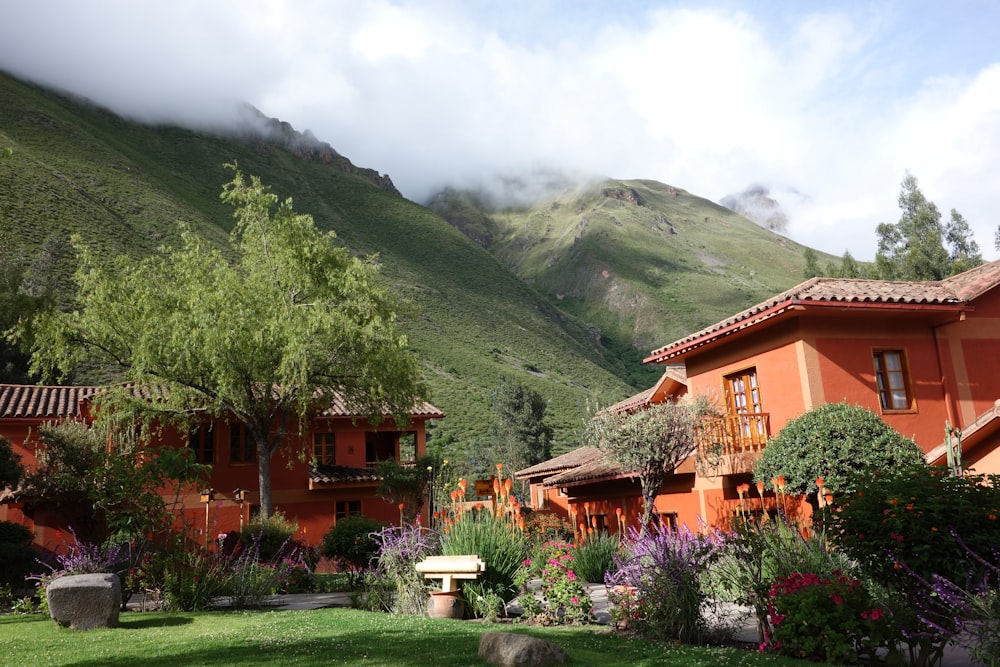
<point x="643" y="262"/>
<point x="77" y="169"/>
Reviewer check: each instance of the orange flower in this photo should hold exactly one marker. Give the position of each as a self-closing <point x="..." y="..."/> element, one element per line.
<point x="508" y="484"/>
<point x="743" y="489"/>
<point x="819" y="482"/>
<point x="479" y="506"/>
<point x="401" y="505"/>
<point x="499" y="467"/>
<point x="829" y="498"/>
<point x="781" y="483"/>
<point x="463" y="484"/>
<point x="618" y="511"/>
<point x="760" y="488"/>
<point x="593" y="521"/>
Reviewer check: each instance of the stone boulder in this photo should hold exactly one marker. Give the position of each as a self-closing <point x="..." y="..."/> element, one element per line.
<point x="509" y="649"/>
<point x="85" y="601"/>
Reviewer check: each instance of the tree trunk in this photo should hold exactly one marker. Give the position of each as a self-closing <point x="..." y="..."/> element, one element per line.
<point x="264" y="479"/>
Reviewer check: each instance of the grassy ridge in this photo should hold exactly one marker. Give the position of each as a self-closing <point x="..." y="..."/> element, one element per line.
<point x="644" y="262"/>
<point x="122" y="186"/>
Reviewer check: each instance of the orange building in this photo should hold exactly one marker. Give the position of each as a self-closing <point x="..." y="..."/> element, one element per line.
<point x="324" y="473"/>
<point x="922" y="355"/>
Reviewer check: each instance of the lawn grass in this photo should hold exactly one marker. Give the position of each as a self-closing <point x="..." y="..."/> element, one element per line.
<point x="323" y="637"/>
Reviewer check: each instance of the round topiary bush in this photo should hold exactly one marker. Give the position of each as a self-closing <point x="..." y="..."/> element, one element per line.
<point x="834" y="441"/>
<point x="351" y="539"/>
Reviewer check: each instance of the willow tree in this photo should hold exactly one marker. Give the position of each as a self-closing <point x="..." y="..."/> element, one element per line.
<point x="263" y="332"/>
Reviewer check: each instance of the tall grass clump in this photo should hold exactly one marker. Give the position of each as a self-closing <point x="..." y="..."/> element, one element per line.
<point x="595" y="557"/>
<point x="494" y="532"/>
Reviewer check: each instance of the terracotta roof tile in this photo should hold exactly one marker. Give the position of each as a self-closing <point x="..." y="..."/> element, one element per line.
<point x="955" y="290"/>
<point x="328" y="474"/>
<point x="674" y="372"/>
<point x="600" y="468"/>
<point x="572" y="459"/>
<point x="37" y="401"/>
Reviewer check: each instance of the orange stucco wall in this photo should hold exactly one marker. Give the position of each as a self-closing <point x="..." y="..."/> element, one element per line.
<point x="313" y="510"/>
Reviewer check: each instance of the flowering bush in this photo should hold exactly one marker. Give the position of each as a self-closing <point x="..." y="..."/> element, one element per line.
<point x="399" y="551"/>
<point x="832" y="619"/>
<point x="914" y="529"/>
<point x="660" y="587"/>
<point x="564" y="599"/>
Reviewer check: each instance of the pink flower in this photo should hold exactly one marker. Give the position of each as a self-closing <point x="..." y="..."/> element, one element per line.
<point x="571" y="575"/>
<point x="575" y="600"/>
<point x="836" y="598"/>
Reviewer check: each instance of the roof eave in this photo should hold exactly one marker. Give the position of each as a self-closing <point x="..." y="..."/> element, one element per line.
<point x="677" y="351"/>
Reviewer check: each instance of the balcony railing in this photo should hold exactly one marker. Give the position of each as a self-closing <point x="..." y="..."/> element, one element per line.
<point x="733" y="435"/>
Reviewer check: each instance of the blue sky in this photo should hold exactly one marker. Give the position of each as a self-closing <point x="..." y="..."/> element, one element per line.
<point x="827" y="104"/>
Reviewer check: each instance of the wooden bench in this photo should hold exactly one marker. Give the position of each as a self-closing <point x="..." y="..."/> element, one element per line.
<point x="450" y="568"/>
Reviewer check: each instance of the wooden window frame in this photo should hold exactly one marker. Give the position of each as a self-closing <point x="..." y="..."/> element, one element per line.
<point x="747" y="423"/>
<point x="201" y="441"/>
<point x="344" y="509"/>
<point x="889" y="381"/>
<point x="325" y="448"/>
<point x="241" y="448"/>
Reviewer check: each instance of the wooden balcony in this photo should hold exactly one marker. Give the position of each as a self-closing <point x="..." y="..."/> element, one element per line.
<point x="731" y="443"/>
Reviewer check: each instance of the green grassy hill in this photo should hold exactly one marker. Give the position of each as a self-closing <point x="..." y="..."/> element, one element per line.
<point x="565" y="297"/>
<point x="77" y="169"/>
<point x="642" y="262"/>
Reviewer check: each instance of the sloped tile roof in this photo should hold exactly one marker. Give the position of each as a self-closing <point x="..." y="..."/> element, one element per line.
<point x="674" y="372"/>
<point x="328" y="474"/>
<point x="955" y="290"/>
<point x="338" y="408"/>
<point x="46" y="402"/>
<point x="572" y="459"/>
<point x="50" y="402"/>
<point x="599" y="468"/>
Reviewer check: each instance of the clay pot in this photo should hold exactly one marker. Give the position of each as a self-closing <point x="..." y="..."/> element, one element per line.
<point x="446" y="605"/>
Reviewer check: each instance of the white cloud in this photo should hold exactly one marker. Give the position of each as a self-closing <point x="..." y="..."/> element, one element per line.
<point x="830" y="106"/>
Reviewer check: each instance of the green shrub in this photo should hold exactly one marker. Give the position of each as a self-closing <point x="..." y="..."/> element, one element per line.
<point x="352" y="540"/>
<point x="833" y="441"/>
<point x="270" y="539"/>
<point x="16" y="555"/>
<point x="596" y="557"/>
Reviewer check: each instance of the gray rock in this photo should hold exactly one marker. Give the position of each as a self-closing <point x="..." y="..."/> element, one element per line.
<point x="509" y="649"/>
<point x="85" y="601"/>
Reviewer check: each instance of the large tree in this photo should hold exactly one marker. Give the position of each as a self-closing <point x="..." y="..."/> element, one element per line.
<point x="264" y="332"/>
<point x="650" y="443"/>
<point x="518" y="435"/>
<point x="919" y="246"/>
